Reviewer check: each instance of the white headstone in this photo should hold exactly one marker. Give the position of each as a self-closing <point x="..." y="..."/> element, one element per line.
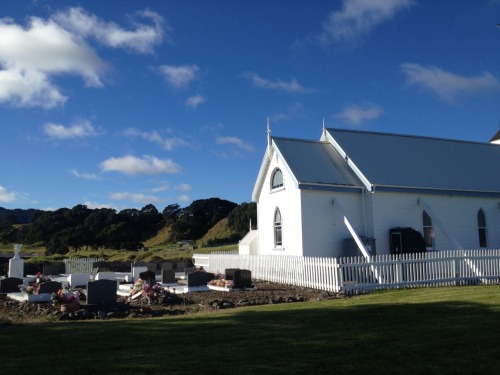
<point x="136" y="271"/>
<point x="16" y="264"/>
<point x="79" y="279"/>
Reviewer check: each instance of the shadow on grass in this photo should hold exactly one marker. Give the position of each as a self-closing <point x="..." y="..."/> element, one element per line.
<point x="436" y="338"/>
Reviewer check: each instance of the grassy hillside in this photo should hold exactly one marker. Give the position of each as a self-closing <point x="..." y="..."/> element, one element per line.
<point x="221" y="230"/>
<point x="158" y="248"/>
<point x="161" y="238"/>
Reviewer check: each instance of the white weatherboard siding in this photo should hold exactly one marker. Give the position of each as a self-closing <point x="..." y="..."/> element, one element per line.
<point x="458" y="215"/>
<point x="378" y="182"/>
<point x="323" y="221"/>
<point x="288" y="201"/>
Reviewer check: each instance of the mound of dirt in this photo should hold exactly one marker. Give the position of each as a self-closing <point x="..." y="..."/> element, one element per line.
<point x="181" y="304"/>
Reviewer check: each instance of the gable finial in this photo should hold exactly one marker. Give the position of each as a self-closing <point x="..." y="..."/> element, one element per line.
<point x="324" y="129"/>
<point x="268" y="131"/>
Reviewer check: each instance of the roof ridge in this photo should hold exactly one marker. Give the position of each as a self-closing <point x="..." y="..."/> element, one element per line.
<point x="299" y="139"/>
<point x="409" y="136"/>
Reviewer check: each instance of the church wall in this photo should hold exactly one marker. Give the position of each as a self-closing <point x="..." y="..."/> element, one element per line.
<point x="287" y="199"/>
<point x="457" y="216"/>
<point x="323" y="225"/>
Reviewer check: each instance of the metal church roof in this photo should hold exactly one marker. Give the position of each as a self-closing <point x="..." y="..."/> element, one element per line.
<point x="392" y="160"/>
<point x="315" y="162"/>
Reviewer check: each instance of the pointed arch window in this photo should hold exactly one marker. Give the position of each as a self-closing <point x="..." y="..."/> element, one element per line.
<point x="481" y="228"/>
<point x="277" y="179"/>
<point x="278" y="230"/>
<point x="428" y="230"/>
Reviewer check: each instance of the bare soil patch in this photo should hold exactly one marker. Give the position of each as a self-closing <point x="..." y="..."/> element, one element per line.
<point x="12" y="312"/>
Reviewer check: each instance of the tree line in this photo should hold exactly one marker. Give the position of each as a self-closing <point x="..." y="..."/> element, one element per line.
<point x="81" y="227"/>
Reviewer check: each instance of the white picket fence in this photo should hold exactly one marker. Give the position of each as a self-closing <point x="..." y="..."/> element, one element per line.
<point x="79" y="265"/>
<point x="357" y="274"/>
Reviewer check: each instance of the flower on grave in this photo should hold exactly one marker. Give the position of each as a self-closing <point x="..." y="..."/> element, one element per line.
<point x="64" y="296"/>
<point x="40" y="278"/>
<point x="146" y="288"/>
<point x="137" y="286"/>
<point x="28" y="289"/>
<point x="220" y="280"/>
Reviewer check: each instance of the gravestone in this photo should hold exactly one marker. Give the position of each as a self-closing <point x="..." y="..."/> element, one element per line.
<point x="16" y="264"/>
<point x="242" y="279"/>
<point x="180" y="266"/>
<point x="10" y="285"/>
<point x="49" y="287"/>
<point x="188" y="270"/>
<point x="229" y="273"/>
<point x="101" y="292"/>
<point x="79" y="279"/>
<point x="105" y="276"/>
<point x="168" y="276"/>
<point x="52" y="269"/>
<point x="167" y="266"/>
<point x="136" y="271"/>
<point x="148" y="276"/>
<point x="199" y="278"/>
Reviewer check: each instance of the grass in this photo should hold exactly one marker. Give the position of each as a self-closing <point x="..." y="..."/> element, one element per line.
<point x="451" y="330"/>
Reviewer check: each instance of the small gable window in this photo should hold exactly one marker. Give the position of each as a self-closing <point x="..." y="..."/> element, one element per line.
<point x="428" y="230"/>
<point x="277" y="179"/>
<point x="481" y="228"/>
<point x="278" y="234"/>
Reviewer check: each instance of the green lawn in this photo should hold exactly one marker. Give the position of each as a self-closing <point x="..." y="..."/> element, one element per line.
<point x="453" y="330"/>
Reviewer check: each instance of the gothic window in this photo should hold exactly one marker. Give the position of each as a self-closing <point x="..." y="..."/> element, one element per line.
<point x="428" y="230"/>
<point x="278" y="234"/>
<point x="481" y="228"/>
<point x="277" y="179"/>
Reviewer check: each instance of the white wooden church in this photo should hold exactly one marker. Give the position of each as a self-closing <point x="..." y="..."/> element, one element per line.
<point x="355" y="192"/>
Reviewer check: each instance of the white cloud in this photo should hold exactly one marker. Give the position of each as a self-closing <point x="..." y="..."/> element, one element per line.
<point x="183" y="198"/>
<point x="291" y="112"/>
<point x="143" y="38"/>
<point x="235" y="141"/>
<point x="358" y="17"/>
<point x="195" y="101"/>
<point x="95" y="205"/>
<point x="179" y="76"/>
<point x="83" y="176"/>
<point x="136" y="198"/>
<point x="183" y="187"/>
<point x="448" y="86"/>
<point x="30" y="57"/>
<point x="293" y="86"/>
<point x="155" y="137"/>
<point x="6" y="196"/>
<point x="354" y="114"/>
<point x="79" y="130"/>
<point x="131" y="165"/>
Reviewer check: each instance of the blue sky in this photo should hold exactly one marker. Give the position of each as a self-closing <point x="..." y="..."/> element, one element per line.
<point x="124" y="103"/>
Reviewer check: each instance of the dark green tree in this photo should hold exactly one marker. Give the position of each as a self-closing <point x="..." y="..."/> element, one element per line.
<point x="199" y="217"/>
<point x="171" y="213"/>
<point x="239" y="219"/>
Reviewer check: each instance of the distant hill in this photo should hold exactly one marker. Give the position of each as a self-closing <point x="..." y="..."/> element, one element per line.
<point x="17" y="216"/>
<point x="219" y="233"/>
